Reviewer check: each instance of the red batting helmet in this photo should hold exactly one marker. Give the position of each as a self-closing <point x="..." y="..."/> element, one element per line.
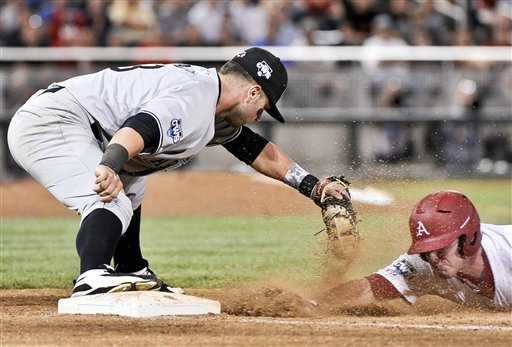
<point x="442" y="217"/>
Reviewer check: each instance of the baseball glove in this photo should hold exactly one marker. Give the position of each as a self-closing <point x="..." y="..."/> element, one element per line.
<point x="339" y="217"/>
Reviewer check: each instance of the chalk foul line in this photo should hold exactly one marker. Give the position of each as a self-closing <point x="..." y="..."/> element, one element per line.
<point x="377" y="325"/>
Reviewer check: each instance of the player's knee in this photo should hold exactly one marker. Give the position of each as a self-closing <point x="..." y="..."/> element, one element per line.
<point x="120" y="206"/>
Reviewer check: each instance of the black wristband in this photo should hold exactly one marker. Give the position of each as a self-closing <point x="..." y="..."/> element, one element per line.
<point x="307" y="185"/>
<point x="114" y="157"/>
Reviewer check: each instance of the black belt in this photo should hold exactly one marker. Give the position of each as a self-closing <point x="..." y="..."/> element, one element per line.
<point x="96" y="130"/>
<point x="99" y="133"/>
<point x="52" y="90"/>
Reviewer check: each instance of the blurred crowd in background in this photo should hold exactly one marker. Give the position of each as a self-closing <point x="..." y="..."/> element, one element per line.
<point x="462" y="88"/>
<point x="58" y="23"/>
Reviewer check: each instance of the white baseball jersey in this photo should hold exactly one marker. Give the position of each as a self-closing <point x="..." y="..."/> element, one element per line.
<point x="413" y="277"/>
<point x="68" y="126"/>
<point x="181" y="98"/>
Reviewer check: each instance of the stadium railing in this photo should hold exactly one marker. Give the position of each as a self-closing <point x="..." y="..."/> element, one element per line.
<point x="330" y="107"/>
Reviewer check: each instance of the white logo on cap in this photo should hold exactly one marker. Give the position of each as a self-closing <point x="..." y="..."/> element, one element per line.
<point x="264" y="69"/>
<point x="422" y="230"/>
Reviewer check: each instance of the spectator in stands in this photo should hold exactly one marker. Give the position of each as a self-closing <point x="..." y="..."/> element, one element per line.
<point x="320" y="20"/>
<point x="439" y="26"/>
<point x="401" y="12"/>
<point x="384" y="34"/>
<point x="350" y="37"/>
<point x="98" y="21"/>
<point x="359" y="15"/>
<point x="172" y="21"/>
<point x="32" y="32"/>
<point x="483" y="15"/>
<point x="389" y="89"/>
<point x="282" y="31"/>
<point x="455" y="143"/>
<point x="28" y="30"/>
<point x="246" y="15"/>
<point x="212" y="23"/>
<point x="209" y="24"/>
<point x="19" y="85"/>
<point x="133" y="21"/>
<point x="395" y="138"/>
<point x="464" y="37"/>
<point x="462" y="146"/>
<point x="419" y="37"/>
<point x="69" y="25"/>
<point x="10" y="21"/>
<point x="501" y="32"/>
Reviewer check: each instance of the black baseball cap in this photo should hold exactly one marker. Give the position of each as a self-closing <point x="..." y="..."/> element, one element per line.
<point x="269" y="72"/>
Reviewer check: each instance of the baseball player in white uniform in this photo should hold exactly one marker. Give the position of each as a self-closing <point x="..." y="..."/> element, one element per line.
<point x="92" y="139"/>
<point x="453" y="255"/>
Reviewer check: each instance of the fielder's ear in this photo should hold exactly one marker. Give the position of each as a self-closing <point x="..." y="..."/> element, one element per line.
<point x="255" y="91"/>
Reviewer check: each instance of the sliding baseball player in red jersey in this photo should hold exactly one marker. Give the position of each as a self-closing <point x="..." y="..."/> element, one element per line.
<point x="453" y="255"/>
<point x="92" y="140"/>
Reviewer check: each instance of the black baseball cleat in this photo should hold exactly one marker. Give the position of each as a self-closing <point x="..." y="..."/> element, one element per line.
<point x="164" y="286"/>
<point x="106" y="280"/>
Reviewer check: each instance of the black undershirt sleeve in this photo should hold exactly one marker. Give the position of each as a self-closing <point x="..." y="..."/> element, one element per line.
<point x="246" y="146"/>
<point x="147" y="127"/>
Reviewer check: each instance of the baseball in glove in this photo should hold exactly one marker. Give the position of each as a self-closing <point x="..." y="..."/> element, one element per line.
<point x="339" y="217"/>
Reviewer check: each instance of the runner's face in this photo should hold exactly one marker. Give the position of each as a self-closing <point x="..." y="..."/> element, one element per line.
<point x="446" y="261"/>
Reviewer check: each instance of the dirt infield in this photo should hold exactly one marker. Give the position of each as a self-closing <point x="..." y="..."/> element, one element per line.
<point x="29" y="318"/>
<point x="265" y="315"/>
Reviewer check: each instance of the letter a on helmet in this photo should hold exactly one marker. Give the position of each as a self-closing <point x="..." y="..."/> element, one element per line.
<point x="421" y="229"/>
<point x="442" y="217"/>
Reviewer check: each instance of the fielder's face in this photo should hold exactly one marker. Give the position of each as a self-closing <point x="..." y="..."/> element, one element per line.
<point x="250" y="109"/>
<point x="446" y="261"/>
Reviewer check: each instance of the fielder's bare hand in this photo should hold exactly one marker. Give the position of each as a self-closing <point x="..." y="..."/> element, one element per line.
<point x="108" y="184"/>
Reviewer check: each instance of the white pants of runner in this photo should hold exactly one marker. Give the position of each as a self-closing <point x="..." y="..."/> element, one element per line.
<point x="50" y="137"/>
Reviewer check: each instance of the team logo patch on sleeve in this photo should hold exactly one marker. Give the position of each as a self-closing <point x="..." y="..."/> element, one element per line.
<point x="175" y="132"/>
<point x="402" y="268"/>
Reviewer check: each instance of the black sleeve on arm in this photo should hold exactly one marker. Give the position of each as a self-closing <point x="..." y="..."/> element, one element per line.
<point x="246" y="146"/>
<point x="147" y="127"/>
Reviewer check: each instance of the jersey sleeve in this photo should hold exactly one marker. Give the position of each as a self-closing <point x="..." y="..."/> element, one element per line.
<point x="497" y="245"/>
<point x="382" y="289"/>
<point x="404" y="274"/>
<point x="183" y="122"/>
